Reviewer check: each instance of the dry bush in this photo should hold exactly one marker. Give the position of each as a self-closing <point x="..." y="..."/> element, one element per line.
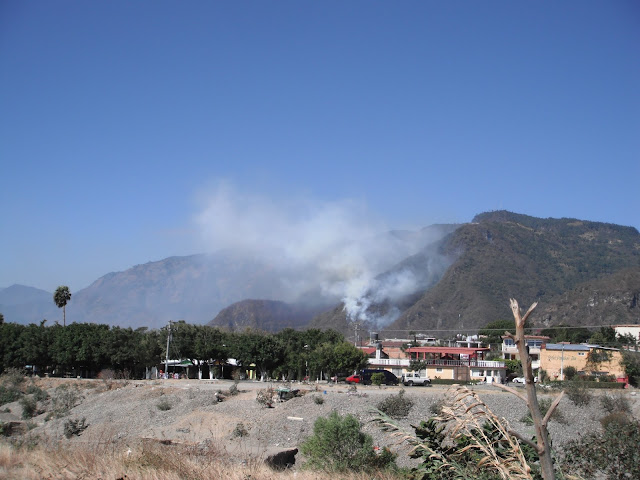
<point x="396" y="406"/>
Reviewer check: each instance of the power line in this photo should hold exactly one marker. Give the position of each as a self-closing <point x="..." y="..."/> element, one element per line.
<point x="556" y="327"/>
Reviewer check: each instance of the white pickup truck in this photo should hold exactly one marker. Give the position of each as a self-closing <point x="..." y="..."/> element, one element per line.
<point x="414" y="378"/>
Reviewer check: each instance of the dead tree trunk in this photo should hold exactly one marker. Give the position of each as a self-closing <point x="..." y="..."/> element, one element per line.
<point x="543" y="443"/>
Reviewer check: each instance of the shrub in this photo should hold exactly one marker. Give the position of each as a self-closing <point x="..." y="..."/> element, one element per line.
<point x="233" y="389"/>
<point x="436" y="408"/>
<point x="240" y="430"/>
<point x="75" y="427"/>
<point x="338" y="445"/>
<point x="615" y="403"/>
<point x="611" y="454"/>
<point x="569" y="372"/>
<point x="318" y="400"/>
<point x="615" y="419"/>
<point x="164" y="405"/>
<point x="9" y="394"/>
<point x="39" y="394"/>
<point x="396" y="406"/>
<point x="578" y="393"/>
<point x="64" y="399"/>
<point x="12" y="377"/>
<point x="265" y="397"/>
<point x="377" y="379"/>
<point x="29" y="407"/>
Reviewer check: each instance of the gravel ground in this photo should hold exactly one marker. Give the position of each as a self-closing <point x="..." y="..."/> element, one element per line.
<point x="127" y="415"/>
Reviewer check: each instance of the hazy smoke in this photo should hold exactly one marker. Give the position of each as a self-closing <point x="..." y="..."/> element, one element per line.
<point x="337" y="249"/>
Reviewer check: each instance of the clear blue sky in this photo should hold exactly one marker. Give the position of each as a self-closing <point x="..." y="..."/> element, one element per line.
<point x="118" y="118"/>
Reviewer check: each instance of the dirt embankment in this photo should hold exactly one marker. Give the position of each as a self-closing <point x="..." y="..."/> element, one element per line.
<point x="188" y="412"/>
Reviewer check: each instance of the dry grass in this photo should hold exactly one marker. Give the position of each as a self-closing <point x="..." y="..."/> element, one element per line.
<point x="146" y="461"/>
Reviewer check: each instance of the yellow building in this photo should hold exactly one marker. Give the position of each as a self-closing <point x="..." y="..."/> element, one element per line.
<point x="590" y="359"/>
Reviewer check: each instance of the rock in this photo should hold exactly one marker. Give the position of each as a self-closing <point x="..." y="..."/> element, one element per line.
<point x="282" y="460"/>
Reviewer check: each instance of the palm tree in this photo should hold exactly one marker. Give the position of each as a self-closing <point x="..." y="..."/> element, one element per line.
<point x="61" y="297"/>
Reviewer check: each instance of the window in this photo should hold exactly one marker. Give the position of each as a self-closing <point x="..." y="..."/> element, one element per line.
<point x="438" y="369"/>
<point x="581" y="354"/>
<point x="509" y="342"/>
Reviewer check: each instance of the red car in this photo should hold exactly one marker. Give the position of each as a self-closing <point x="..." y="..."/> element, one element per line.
<point x="353" y="379"/>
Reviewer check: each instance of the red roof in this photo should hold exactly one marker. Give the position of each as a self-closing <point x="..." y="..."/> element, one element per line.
<point x="369" y="350"/>
<point x="445" y="350"/>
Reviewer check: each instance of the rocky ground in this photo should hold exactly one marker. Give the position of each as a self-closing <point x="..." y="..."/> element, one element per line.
<point x="188" y="412"/>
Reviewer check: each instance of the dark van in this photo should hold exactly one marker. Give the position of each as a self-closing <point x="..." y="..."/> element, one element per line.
<point x="365" y="377"/>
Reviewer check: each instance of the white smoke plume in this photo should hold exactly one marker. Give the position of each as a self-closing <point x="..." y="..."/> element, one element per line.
<point x="335" y="248"/>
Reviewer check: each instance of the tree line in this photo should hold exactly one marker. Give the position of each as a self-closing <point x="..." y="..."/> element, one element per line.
<point x="87" y="348"/>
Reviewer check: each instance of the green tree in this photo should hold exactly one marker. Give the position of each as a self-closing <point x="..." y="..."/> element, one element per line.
<point x="36" y="342"/>
<point x="347" y="358"/>
<point x="1" y="319"/>
<point x="565" y="333"/>
<point x="11" y="352"/>
<point x="606" y="336"/>
<point x="417" y="365"/>
<point x="210" y="346"/>
<point x="493" y="331"/>
<point x="514" y="367"/>
<point x="61" y="297"/>
<point x="261" y="349"/>
<point x="80" y="346"/>
<point x="631" y="363"/>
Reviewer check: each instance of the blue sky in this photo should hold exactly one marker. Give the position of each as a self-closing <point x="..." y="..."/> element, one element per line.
<point x="122" y="120"/>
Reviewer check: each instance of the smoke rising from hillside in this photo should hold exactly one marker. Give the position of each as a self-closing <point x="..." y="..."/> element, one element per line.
<point x="338" y="249"/>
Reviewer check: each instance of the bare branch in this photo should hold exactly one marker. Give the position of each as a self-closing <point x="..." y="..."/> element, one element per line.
<point x="515" y="309"/>
<point x="531" y="308"/>
<point x="524" y="440"/>
<point x="553" y="406"/>
<point x="511" y="390"/>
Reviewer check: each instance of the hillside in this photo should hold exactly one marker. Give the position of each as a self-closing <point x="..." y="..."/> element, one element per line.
<point x="267" y="315"/>
<point x="502" y="255"/>
<point x="22" y="304"/>
<point x="442" y="277"/>
<point x="613" y="299"/>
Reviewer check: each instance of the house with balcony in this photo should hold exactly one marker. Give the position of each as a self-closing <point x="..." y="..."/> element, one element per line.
<point x="534" y="343"/>
<point x="458" y="363"/>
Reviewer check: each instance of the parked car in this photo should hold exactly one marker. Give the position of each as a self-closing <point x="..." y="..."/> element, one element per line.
<point x="414" y="378"/>
<point x="364" y="377"/>
<point x="521" y="380"/>
<point x="353" y="379"/>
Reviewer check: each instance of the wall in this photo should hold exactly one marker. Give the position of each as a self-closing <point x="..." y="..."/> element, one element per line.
<point x="552" y="360"/>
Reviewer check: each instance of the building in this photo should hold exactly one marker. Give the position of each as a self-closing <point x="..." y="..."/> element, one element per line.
<point x="556" y="357"/>
<point x="633" y="330"/>
<point x="534" y="342"/>
<point x="458" y="363"/>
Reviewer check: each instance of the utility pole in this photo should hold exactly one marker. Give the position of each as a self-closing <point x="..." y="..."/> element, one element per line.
<point x="166" y="363"/>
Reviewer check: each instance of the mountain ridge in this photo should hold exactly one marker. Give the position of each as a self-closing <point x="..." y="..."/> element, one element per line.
<point x="459" y="279"/>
